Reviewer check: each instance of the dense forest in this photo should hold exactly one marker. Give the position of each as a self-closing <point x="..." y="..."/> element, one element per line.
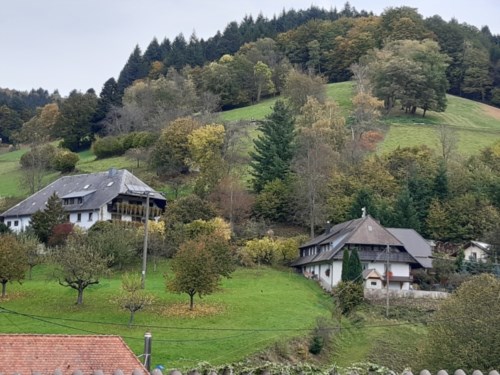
<point x="310" y="163"/>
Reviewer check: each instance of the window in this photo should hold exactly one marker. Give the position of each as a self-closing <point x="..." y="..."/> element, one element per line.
<point x="9" y="224"/>
<point x="16" y="223"/>
<point x="327" y="272"/>
<point x="78" y="217"/>
<point x="90" y="216"/>
<point x="374" y="283"/>
<point x="80" y="200"/>
<point x="474" y="255"/>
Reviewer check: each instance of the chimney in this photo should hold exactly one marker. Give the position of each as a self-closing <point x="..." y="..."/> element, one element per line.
<point x="147" y="351"/>
<point x="328" y="227"/>
<point x="363" y="212"/>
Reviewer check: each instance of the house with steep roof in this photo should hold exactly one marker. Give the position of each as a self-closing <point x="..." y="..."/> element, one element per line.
<point x="387" y="254"/>
<point x="88" y="198"/>
<point x="26" y="354"/>
<point x="476" y="251"/>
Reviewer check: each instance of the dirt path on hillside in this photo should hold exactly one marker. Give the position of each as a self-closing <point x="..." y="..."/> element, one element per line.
<point x="491" y="111"/>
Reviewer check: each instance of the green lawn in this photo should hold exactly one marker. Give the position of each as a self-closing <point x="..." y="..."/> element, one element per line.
<point x="340" y="92"/>
<point x="474" y="123"/>
<point x="256" y="308"/>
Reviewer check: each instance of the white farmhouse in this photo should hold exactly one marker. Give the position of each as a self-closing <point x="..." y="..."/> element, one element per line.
<point x="88" y="198"/>
<point x="321" y="257"/>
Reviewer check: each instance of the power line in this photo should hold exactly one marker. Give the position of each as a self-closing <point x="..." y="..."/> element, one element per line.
<point x="47" y="319"/>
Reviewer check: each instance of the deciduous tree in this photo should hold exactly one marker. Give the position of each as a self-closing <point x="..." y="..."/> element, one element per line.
<point x="463" y="332"/>
<point x="79" y="265"/>
<point x="133" y="297"/>
<point x="320" y="137"/>
<point x="13" y="260"/>
<point x="205" y="150"/>
<point x="198" y="266"/>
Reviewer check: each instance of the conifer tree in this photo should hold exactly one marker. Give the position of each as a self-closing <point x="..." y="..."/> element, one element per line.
<point x="345" y="265"/>
<point x="134" y="69"/>
<point x="405" y="214"/>
<point x="354" y="269"/>
<point x="274" y="147"/>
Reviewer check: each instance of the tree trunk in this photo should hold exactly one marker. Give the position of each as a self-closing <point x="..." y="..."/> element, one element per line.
<point x="4" y="287"/>
<point x="191" y="301"/>
<point x="79" y="300"/>
<point x="131" y="319"/>
<point x="29" y="272"/>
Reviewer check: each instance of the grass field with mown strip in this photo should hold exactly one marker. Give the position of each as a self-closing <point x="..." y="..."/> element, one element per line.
<point x="256" y="308"/>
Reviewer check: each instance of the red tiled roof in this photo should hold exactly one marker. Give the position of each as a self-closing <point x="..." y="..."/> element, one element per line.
<point x="24" y="354"/>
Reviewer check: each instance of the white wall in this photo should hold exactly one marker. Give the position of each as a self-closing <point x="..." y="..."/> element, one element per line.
<point x="23" y="222"/>
<point x="378" y="284"/>
<point x="84" y="221"/>
<point x="480" y="254"/>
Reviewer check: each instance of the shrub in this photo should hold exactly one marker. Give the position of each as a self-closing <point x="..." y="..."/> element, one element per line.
<point x="316" y="345"/>
<point x="348" y="295"/>
<point x="270" y="251"/>
<point x="138" y="140"/>
<point x="107" y="147"/>
<point x="65" y="161"/>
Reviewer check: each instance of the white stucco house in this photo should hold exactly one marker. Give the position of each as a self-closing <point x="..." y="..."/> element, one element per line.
<point x="88" y="198"/>
<point x="476" y="251"/>
<point x="321" y="257"/>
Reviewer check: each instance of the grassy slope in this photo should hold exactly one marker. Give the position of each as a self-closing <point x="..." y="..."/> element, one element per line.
<point x="259" y="300"/>
<point x="473" y="121"/>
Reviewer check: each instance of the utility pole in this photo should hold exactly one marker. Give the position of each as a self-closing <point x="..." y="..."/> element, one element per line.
<point x="145" y="248"/>
<point x="387" y="283"/>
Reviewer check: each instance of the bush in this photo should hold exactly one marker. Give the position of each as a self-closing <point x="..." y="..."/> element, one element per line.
<point x="270" y="251"/>
<point x="348" y="295"/>
<point x="138" y="140"/>
<point x="316" y="345"/>
<point x="107" y="147"/>
<point x="65" y="161"/>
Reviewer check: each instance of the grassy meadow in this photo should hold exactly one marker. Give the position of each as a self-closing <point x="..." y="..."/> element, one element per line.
<point x="254" y="309"/>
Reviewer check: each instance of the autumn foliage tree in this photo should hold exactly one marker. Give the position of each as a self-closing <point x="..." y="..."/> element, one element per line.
<point x="13" y="261"/>
<point x="202" y="261"/>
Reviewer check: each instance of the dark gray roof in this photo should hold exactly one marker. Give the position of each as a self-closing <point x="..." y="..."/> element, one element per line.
<point x="96" y="189"/>
<point x="408" y="245"/>
<point x="415" y="244"/>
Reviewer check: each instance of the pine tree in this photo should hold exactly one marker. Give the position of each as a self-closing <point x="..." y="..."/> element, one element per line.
<point x="355" y="269"/>
<point x="274" y="147"/>
<point x="405" y="214"/>
<point x="152" y="53"/>
<point x="345" y="265"/>
<point x="441" y="182"/>
<point x="134" y="69"/>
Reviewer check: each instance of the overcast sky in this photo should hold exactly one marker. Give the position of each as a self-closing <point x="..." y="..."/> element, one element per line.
<point x="79" y="44"/>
